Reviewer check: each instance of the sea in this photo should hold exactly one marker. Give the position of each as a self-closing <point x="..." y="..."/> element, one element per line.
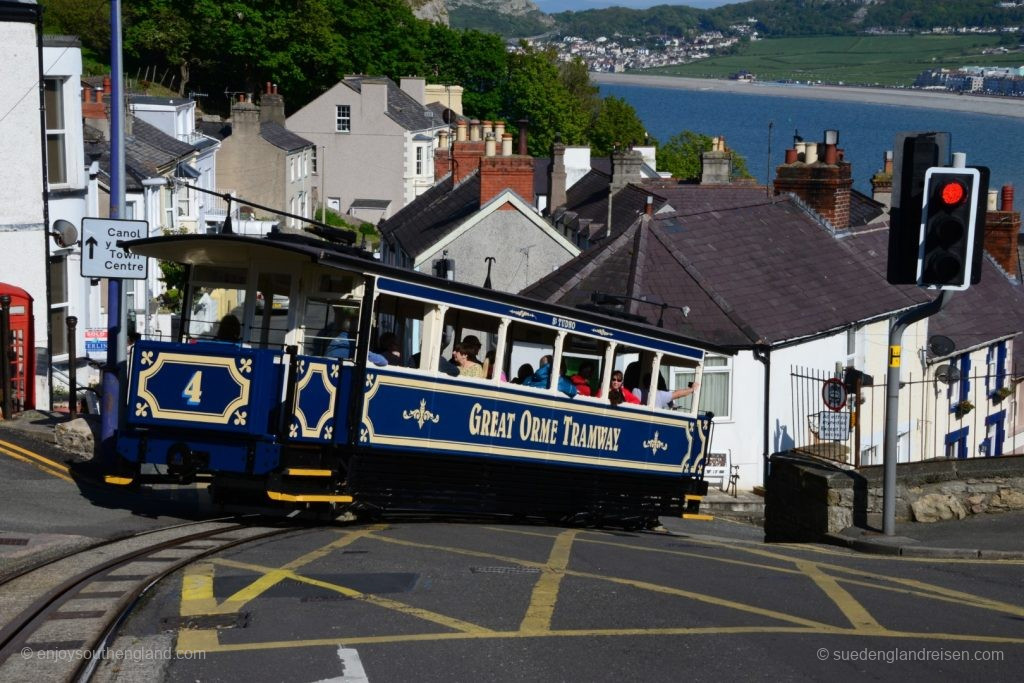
<point x="761" y="127"/>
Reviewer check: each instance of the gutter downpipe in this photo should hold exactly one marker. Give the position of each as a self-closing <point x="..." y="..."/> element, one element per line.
<point x="763" y="354"/>
<point x="38" y="9"/>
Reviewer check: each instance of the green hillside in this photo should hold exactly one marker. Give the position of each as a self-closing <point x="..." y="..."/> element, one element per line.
<point x="882" y="60"/>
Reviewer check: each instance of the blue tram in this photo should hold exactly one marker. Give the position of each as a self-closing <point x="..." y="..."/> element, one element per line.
<point x="316" y="375"/>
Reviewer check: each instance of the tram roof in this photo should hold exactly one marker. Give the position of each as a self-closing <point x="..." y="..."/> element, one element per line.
<point x="291" y="250"/>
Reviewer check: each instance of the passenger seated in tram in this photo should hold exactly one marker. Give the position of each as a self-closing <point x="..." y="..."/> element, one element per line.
<point x="467" y="367"/>
<point x="388" y="347"/>
<point x="542" y="379"/>
<point x="489" y="366"/>
<point x="582" y="378"/>
<point x="523" y="374"/>
<point x="342" y="346"/>
<point x="618" y="393"/>
<point x="229" y="329"/>
<point x="663" y="398"/>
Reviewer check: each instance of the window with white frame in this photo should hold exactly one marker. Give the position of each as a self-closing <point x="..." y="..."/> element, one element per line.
<point x="312" y="158"/>
<point x="419" y="159"/>
<point x="343" y="118"/>
<point x="56" y="138"/>
<point x="167" y="198"/>
<point x="715" y="386"/>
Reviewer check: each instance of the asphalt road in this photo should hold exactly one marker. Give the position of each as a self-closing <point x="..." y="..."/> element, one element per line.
<point x="427" y="600"/>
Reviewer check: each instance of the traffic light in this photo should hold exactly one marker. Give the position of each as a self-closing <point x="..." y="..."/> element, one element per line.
<point x="913" y="155"/>
<point x="949" y="218"/>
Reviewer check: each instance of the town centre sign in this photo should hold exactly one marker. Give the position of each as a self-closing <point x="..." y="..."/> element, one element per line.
<point x="101" y="255"/>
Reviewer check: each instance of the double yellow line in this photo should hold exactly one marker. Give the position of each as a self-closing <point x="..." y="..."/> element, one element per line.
<point x="45" y="464"/>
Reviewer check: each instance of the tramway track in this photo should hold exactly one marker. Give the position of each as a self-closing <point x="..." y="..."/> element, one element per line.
<point x="63" y="611"/>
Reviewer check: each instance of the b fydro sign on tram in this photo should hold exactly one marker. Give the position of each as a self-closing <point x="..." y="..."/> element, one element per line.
<point x="101" y="255"/>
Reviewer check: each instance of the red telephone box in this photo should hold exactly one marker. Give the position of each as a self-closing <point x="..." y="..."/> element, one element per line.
<point x="22" y="353"/>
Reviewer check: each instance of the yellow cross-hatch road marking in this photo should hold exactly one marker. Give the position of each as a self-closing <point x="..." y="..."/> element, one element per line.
<point x="545" y="591"/>
<point x="197" y="590"/>
<point x="45" y="464"/>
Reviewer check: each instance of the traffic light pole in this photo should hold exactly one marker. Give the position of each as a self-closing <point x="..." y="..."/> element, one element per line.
<point x="892" y="403"/>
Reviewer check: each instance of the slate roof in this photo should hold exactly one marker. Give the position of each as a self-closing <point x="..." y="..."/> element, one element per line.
<point x="991" y="309"/>
<point x="272" y="132"/>
<point x="542" y="167"/>
<point x="281" y="137"/>
<point x="864" y="209"/>
<point x="148" y="152"/>
<point x="402" y="107"/>
<point x="761" y="273"/>
<point x="426" y="219"/>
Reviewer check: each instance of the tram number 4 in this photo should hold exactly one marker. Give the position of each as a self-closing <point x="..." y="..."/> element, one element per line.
<point x="193" y="390"/>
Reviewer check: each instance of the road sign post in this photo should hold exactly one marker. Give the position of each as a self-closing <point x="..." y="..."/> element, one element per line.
<point x="101" y="255"/>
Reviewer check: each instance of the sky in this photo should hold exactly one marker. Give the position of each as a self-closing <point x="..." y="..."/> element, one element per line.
<point x="551" y="6"/>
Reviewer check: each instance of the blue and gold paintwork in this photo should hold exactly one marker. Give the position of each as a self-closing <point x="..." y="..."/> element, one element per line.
<point x="484" y="420"/>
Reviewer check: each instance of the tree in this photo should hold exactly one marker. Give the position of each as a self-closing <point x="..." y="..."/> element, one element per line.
<point x="680" y="156"/>
<point x="616" y="125"/>
<point x="535" y="92"/>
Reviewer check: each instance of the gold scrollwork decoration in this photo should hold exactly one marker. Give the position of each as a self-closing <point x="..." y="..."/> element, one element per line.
<point x="147" y="357"/>
<point x="521" y="313"/>
<point x="245" y="364"/>
<point x="293" y="430"/>
<point x="328" y="432"/>
<point x="421" y="414"/>
<point x="240" y="416"/>
<point x="603" y="332"/>
<point x="655" y="444"/>
<point x="142" y="409"/>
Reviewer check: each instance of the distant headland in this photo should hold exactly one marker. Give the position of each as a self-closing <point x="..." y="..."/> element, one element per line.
<point x="899" y="97"/>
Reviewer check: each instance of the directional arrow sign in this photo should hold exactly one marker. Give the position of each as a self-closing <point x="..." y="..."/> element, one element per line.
<point x="101" y="255"/>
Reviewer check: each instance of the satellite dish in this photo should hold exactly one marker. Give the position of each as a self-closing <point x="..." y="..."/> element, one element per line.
<point x="64" y="233"/>
<point x="947" y="374"/>
<point x="940" y="345"/>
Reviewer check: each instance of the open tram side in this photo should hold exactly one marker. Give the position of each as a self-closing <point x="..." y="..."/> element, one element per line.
<point x="337" y="390"/>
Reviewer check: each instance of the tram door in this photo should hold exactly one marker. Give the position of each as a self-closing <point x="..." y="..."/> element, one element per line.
<point x="21" y="354"/>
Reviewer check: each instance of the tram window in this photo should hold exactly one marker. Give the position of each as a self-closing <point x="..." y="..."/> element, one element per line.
<point x="270" y="323"/>
<point x="324" y="321"/>
<point x="525" y="345"/>
<point x="714" y="386"/>
<point x="634" y="365"/>
<point x="469" y="326"/>
<point x="679" y="373"/>
<point x="398" y="329"/>
<point x="583" y="363"/>
<point x="216" y="292"/>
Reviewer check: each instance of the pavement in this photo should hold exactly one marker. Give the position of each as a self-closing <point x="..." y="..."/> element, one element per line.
<point x="997" y="536"/>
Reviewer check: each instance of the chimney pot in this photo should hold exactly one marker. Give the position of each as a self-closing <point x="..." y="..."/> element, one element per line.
<point x="489" y="145"/>
<point x="801" y="149"/>
<point x="499" y="130"/>
<point x="460" y="131"/>
<point x="791" y="156"/>
<point x="649" y="207"/>
<point x="268" y="90"/>
<point x="474" y="130"/>
<point x="811" y="153"/>
<point x="1007" y="197"/>
<point x="506" y="145"/>
<point x="993" y="200"/>
<point x="831" y="154"/>
<point x="523" y="123"/>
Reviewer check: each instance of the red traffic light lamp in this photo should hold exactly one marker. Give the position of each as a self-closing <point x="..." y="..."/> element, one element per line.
<point x="946" y="246"/>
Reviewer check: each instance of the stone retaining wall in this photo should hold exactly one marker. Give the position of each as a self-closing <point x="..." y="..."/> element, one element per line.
<point x="808" y="498"/>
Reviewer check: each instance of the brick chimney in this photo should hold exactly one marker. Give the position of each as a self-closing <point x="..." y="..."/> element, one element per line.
<point x="442" y="155"/>
<point x="272" y="105"/>
<point x="716" y="165"/>
<point x="557" y="176"/>
<point x="1002" y="231"/>
<point x="506" y="172"/>
<point x="94" y="103"/>
<point x="823" y="183"/>
<point x="465" y="159"/>
<point x="245" y="117"/>
<point x="626" y="165"/>
<point x="881" y="182"/>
